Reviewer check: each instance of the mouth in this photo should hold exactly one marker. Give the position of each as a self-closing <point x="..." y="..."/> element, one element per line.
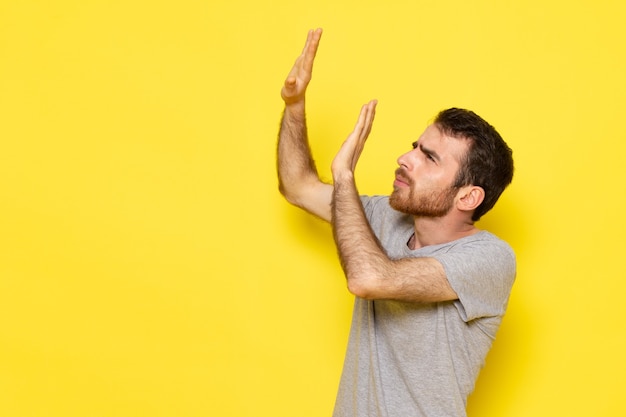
<point x="401" y="180"/>
<point x="399" y="183"/>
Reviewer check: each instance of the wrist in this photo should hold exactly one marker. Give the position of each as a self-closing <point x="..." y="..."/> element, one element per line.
<point x="343" y="177"/>
<point x="296" y="106"/>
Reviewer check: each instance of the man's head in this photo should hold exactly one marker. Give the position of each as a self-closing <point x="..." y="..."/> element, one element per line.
<point x="488" y="162"/>
<point x="459" y="159"/>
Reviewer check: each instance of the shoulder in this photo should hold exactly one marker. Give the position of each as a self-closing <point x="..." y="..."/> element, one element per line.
<point x="481" y="269"/>
<point x="480" y="242"/>
<point x="480" y="257"/>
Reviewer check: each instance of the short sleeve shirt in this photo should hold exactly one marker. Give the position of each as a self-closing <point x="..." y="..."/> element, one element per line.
<point x="422" y="359"/>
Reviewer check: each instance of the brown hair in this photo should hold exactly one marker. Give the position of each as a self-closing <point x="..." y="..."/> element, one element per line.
<point x="488" y="162"/>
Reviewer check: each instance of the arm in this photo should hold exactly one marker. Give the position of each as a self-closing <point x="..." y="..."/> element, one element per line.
<point x="298" y="179"/>
<point x="370" y="273"/>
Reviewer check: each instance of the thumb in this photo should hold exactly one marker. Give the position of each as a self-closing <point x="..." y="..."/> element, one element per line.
<point x="289" y="89"/>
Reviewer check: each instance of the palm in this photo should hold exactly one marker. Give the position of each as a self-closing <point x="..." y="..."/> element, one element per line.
<point x="349" y="153"/>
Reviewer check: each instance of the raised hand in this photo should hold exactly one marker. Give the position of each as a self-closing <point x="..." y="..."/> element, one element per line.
<point x="300" y="75"/>
<point x="346" y="159"/>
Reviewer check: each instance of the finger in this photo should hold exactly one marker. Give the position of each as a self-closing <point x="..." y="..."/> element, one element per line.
<point x="289" y="87"/>
<point x="355" y="142"/>
<point x="360" y="133"/>
<point x="309" y="35"/>
<point x="290" y="82"/>
<point x="360" y="122"/>
<point x="368" y="113"/>
<point x="313" y="41"/>
<point x="369" y="117"/>
<point x="365" y="120"/>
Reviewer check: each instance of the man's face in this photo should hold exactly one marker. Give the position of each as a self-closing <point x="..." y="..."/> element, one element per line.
<point x="424" y="180"/>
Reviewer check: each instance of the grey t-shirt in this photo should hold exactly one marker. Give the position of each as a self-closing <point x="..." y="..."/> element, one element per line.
<point x="411" y="359"/>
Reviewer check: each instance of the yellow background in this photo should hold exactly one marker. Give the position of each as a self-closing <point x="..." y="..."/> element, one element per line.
<point x="149" y="267"/>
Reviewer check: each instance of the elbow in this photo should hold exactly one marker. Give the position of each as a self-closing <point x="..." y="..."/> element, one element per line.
<point x="363" y="287"/>
<point x="282" y="187"/>
<point x="283" y="190"/>
<point x="287" y="193"/>
<point x="292" y="189"/>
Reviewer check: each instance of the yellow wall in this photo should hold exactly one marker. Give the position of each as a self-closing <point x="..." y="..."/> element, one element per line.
<point x="149" y="267"/>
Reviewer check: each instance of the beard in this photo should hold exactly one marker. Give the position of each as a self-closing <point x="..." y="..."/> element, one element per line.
<point x="434" y="203"/>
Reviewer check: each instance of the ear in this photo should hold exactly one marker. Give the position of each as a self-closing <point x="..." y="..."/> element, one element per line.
<point x="470" y="197"/>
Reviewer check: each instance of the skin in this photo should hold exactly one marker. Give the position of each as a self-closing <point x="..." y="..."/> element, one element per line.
<point x="423" y="172"/>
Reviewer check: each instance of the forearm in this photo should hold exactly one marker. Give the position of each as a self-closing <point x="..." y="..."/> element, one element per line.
<point x="369" y="272"/>
<point x="297" y="175"/>
<point x="362" y="258"/>
<point x="295" y="163"/>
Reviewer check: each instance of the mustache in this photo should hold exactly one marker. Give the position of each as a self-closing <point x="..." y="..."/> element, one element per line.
<point x="403" y="176"/>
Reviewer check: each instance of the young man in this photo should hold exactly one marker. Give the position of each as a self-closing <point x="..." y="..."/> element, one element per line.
<point x="431" y="289"/>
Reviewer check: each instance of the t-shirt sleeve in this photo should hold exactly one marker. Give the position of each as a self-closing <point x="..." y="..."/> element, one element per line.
<point x="482" y="273"/>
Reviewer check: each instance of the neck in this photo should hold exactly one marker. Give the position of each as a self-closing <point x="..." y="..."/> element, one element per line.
<point x="437" y="230"/>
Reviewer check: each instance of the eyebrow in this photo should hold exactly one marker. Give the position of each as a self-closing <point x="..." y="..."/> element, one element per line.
<point x="427" y="151"/>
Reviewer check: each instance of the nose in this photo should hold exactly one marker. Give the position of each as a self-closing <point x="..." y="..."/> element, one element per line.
<point x="406" y="160"/>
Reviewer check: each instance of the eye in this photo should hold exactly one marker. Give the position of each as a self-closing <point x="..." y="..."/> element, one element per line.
<point x="430" y="157"/>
